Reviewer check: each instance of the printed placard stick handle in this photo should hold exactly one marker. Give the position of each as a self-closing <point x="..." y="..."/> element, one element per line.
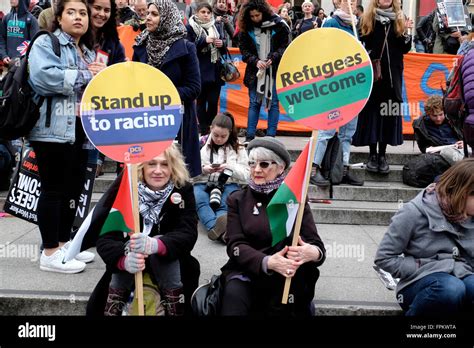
<point x="136" y="221"/>
<point x="299" y="216"/>
<point x="354" y="27"/>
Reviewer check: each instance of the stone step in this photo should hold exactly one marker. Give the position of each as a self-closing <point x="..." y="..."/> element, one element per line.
<point x="362" y="157"/>
<point x="347" y="284"/>
<point x="49" y="304"/>
<point x="354" y="213"/>
<point x="356" y="157"/>
<point x="395" y="174"/>
<point x="295" y="144"/>
<point x="373" y="191"/>
<point x="333" y="212"/>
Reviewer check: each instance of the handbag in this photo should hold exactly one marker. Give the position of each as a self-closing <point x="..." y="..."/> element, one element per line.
<point x="229" y="72"/>
<point x="377" y="68"/>
<point x="206" y="299"/>
<point x="377" y="63"/>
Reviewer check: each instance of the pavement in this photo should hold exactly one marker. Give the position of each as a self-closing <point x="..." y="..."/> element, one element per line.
<point x="348" y="285"/>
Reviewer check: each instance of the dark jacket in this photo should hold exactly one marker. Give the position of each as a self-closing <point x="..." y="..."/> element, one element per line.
<point x="423" y="137"/>
<point x="210" y="72"/>
<point x="13" y="33"/>
<point x="250" y="234"/>
<point x="227" y="27"/>
<point x="444" y="43"/>
<point x="298" y="25"/>
<point x="114" y="49"/>
<point x="126" y="14"/>
<point x="427" y="240"/>
<point x="248" y="49"/>
<point x="181" y="65"/>
<point x="178" y="227"/>
<point x="425" y="32"/>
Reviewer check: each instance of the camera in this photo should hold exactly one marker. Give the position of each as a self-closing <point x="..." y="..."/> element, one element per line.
<point x="215" y="187"/>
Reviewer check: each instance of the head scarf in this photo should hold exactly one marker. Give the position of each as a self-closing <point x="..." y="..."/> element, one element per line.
<point x="170" y="29"/>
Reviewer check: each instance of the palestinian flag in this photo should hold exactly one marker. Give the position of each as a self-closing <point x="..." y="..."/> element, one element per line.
<point x="113" y="212"/>
<point x="283" y="207"/>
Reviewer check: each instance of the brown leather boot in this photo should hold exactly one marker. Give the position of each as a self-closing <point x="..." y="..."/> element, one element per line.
<point x="116" y="302"/>
<point x="174" y="302"/>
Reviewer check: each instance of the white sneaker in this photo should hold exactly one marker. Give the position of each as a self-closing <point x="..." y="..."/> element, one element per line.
<point x="85" y="256"/>
<point x="55" y="263"/>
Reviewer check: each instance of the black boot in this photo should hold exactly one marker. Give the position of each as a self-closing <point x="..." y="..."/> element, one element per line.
<point x="372" y="164"/>
<point x="350" y="178"/>
<point x="383" y="165"/>
<point x="318" y="179"/>
<point x="116" y="302"/>
<point x="174" y="302"/>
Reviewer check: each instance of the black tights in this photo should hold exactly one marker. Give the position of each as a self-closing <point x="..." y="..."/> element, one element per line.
<point x="62" y="172"/>
<point x="382" y="149"/>
<point x="207" y="106"/>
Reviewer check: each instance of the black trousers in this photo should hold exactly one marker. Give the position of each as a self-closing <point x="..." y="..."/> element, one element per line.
<point x="469" y="136"/>
<point x="62" y="172"/>
<point x="207" y="106"/>
<point x="262" y="297"/>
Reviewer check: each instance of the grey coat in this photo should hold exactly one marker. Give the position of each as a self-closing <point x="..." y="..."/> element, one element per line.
<point x="428" y="241"/>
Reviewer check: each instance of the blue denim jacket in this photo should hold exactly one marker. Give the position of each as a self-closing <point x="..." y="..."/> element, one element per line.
<point x="56" y="76"/>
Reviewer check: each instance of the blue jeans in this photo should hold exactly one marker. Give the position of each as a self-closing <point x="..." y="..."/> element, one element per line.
<point x="345" y="137"/>
<point x="419" y="47"/>
<point x="438" y="294"/>
<point x="254" y="112"/>
<point x="206" y="215"/>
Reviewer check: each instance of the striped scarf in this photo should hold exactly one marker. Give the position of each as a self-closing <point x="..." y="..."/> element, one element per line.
<point x="268" y="186"/>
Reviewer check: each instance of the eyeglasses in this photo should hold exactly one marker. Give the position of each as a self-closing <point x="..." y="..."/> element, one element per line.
<point x="262" y="164"/>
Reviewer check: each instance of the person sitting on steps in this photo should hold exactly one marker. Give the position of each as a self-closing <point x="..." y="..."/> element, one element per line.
<point x="433" y="129"/>
<point x="221" y="151"/>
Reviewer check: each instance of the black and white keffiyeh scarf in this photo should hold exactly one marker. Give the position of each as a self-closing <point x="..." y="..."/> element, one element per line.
<point x="151" y="202"/>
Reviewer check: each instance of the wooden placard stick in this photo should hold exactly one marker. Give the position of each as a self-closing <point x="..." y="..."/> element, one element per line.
<point x="136" y="221"/>
<point x="299" y="216"/>
<point x="354" y="27"/>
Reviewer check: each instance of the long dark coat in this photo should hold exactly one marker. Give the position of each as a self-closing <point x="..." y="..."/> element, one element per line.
<point x="178" y="225"/>
<point x="372" y="127"/>
<point x="249" y="241"/>
<point x="181" y="65"/>
<point x="210" y="72"/>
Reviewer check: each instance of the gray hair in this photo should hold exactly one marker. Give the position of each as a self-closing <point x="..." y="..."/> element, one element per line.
<point x="262" y="154"/>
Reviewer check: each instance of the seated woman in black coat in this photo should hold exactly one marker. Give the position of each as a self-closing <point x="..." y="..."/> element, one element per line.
<point x="255" y="274"/>
<point x="163" y="249"/>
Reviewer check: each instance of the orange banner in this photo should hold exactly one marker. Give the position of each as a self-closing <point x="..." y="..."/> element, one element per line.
<point x="424" y="75"/>
<point x="235" y="99"/>
<point x="127" y="37"/>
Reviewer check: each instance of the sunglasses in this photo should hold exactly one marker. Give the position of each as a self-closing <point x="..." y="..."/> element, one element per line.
<point x="263" y="164"/>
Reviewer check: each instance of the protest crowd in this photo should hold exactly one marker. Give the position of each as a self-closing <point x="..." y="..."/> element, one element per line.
<point x="223" y="177"/>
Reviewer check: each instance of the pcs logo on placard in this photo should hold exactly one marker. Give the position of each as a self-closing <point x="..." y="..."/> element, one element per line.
<point x="136" y="151"/>
<point x="334" y="115"/>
